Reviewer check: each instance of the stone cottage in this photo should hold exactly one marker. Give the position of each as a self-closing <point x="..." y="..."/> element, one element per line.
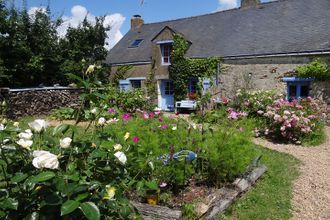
<point x="258" y="44"/>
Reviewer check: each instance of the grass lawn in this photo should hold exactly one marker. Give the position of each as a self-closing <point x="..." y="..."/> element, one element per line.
<point x="271" y="197"/>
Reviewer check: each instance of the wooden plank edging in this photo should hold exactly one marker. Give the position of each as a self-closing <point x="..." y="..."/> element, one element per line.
<point x="221" y="199"/>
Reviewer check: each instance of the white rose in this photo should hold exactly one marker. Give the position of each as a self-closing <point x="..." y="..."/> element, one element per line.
<point x="27" y="135"/>
<point x="121" y="157"/>
<point x="25" y="143"/>
<point x="16" y="124"/>
<point x="117" y="147"/>
<point x="65" y="142"/>
<point x="101" y="121"/>
<point x="2" y="127"/>
<point x="174" y="128"/>
<point x="45" y="159"/>
<point x="38" y="125"/>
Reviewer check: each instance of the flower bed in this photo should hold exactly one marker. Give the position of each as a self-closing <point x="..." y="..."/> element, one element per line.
<point x="93" y="172"/>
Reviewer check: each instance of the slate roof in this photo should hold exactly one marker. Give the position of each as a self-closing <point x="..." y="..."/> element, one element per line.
<point x="284" y="26"/>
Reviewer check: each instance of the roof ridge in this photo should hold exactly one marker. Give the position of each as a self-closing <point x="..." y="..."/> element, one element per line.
<point x="212" y="13"/>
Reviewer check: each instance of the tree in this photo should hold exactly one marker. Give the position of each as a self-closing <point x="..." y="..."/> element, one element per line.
<point x="83" y="45"/>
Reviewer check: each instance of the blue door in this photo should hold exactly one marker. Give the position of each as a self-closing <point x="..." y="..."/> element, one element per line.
<point x="167" y="95"/>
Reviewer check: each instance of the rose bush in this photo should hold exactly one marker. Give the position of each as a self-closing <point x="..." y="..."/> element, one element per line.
<point x="292" y="121"/>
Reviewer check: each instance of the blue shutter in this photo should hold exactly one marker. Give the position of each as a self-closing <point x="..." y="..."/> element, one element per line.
<point x="124" y="85"/>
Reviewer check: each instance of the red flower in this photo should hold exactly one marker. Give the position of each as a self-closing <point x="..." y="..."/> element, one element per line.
<point x="136" y="139"/>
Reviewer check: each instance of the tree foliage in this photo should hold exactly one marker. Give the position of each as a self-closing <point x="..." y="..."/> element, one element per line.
<point x="32" y="53"/>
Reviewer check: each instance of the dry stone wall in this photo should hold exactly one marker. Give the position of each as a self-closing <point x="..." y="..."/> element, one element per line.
<point x="38" y="101"/>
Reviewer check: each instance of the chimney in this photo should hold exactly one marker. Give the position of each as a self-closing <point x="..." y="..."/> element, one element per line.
<point x="245" y="4"/>
<point x="136" y="22"/>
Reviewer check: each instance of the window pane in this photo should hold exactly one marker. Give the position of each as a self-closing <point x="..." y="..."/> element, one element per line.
<point x="304" y="91"/>
<point x="136" y="84"/>
<point x="292" y="91"/>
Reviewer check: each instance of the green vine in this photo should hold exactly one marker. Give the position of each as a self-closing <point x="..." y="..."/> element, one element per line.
<point x="151" y="83"/>
<point x="183" y="68"/>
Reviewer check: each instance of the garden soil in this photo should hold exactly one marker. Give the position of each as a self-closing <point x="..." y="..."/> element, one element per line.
<point x="311" y="195"/>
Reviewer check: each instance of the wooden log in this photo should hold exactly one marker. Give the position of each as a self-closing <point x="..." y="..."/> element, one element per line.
<point x="149" y="212"/>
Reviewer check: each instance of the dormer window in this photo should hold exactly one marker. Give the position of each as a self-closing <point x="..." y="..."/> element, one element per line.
<point x="136" y="43"/>
<point x="166" y="49"/>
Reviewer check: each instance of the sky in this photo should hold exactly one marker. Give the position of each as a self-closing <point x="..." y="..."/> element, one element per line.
<point x="119" y="12"/>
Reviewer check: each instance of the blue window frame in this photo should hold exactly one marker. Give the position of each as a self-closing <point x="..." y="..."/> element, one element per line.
<point x="166" y="50"/>
<point x="297" y="87"/>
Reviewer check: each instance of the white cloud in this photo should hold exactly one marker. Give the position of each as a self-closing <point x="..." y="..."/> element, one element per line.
<point x="78" y="14"/>
<point x="227" y="4"/>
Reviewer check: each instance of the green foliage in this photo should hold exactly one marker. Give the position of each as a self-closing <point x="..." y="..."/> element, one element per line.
<point x="182" y="68"/>
<point x="318" y="69"/>
<point x="32" y="53"/>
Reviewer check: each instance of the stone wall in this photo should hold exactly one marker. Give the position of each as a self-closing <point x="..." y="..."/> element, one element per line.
<point x="266" y="74"/>
<point x="38" y="101"/>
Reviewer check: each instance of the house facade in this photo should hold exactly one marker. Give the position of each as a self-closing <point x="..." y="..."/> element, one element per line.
<point x="258" y="43"/>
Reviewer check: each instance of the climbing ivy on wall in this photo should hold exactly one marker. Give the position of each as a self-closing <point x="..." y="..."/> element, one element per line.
<point x="183" y="68"/>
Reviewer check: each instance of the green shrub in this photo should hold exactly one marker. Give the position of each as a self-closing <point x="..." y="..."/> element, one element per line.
<point x="318" y="69"/>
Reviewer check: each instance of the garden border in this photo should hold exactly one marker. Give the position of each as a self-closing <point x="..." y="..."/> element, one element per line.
<point x="220" y="200"/>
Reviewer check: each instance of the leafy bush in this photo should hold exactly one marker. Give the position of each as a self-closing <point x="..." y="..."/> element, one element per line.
<point x="318" y="69"/>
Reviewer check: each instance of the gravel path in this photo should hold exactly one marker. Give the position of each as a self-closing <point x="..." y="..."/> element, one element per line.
<point x="311" y="198"/>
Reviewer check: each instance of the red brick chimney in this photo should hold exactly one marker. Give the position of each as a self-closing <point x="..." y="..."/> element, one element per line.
<point x="249" y="3"/>
<point x="136" y="22"/>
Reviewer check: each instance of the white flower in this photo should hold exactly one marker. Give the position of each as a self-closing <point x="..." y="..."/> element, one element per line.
<point x="90" y="69"/>
<point x="121" y="157"/>
<point x="112" y="120"/>
<point x="101" y="121"/>
<point x="94" y="111"/>
<point x="26" y="135"/>
<point x="16" y="124"/>
<point x="6" y="141"/>
<point x="25" y="143"/>
<point x="174" y="128"/>
<point x="38" y="125"/>
<point x="65" y="142"/>
<point x="157" y="109"/>
<point x="2" y="127"/>
<point x="117" y="147"/>
<point x="4" y="121"/>
<point x="45" y="159"/>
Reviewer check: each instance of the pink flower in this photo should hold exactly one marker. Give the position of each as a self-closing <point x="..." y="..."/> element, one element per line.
<point x="241" y="129"/>
<point x="126" y="116"/>
<point x="282" y="128"/>
<point x="163" y="126"/>
<point x="151" y="114"/>
<point x="136" y="139"/>
<point x="157" y="112"/>
<point x="299" y="107"/>
<point x="111" y="110"/>
<point x="312" y="117"/>
<point x="146" y="115"/>
<point x="160" y="119"/>
<point x="162" y="185"/>
<point x="233" y="115"/>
